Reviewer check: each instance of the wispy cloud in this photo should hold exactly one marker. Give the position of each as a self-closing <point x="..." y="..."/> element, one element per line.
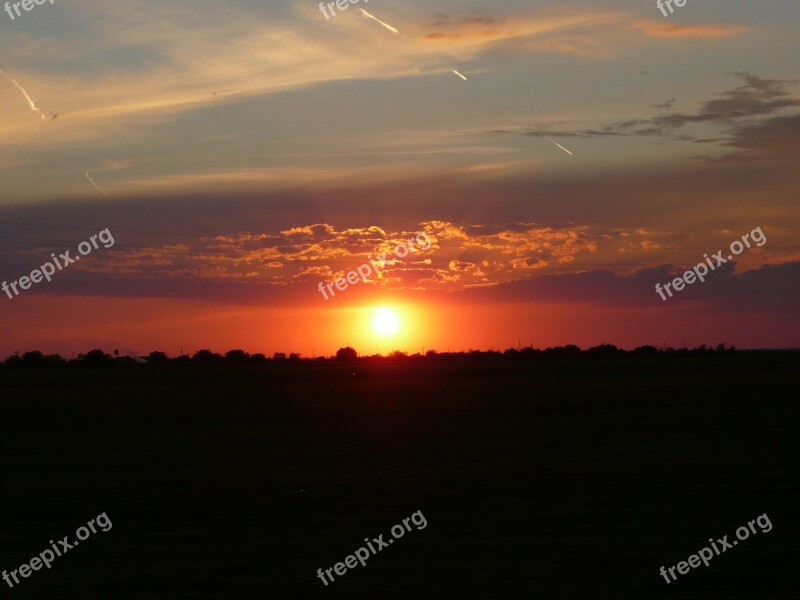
<point x="672" y="30"/>
<point x="184" y="62"/>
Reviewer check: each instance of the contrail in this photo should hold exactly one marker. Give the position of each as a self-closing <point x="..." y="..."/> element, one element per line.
<point x="369" y="16"/>
<point x="562" y="147"/>
<point x="459" y="74"/>
<point x="24" y="93"/>
<point x="99" y="189"/>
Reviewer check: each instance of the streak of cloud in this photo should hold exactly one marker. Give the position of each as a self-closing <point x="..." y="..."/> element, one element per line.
<point x="386" y="25"/>
<point x="560" y="146"/>
<point x="24" y="93"/>
<point x="459" y="74"/>
<point x="661" y="29"/>
<point x="99" y="189"/>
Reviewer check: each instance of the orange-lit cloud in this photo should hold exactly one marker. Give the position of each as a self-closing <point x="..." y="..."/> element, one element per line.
<point x="452" y="33"/>
<point x="670" y="30"/>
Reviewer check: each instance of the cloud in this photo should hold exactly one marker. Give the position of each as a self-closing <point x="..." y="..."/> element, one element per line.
<point x="461" y="256"/>
<point x="250" y="248"/>
<point x="766" y="289"/>
<point x="776" y="139"/>
<point x="605" y="35"/>
<point x="663" y="29"/>
<point x="476" y="29"/>
<point x="757" y="97"/>
<point x="237" y="280"/>
<point x="303" y="254"/>
<point x="585" y="31"/>
<point x="590" y="32"/>
<point x="181" y="59"/>
<point x="193" y="73"/>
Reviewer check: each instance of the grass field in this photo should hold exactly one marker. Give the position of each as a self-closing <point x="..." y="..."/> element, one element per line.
<point x="562" y="479"/>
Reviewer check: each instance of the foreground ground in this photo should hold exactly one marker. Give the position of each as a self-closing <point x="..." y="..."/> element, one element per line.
<point x="537" y="479"/>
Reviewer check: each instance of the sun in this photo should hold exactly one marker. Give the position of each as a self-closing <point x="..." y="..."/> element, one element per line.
<point x="386" y="322"/>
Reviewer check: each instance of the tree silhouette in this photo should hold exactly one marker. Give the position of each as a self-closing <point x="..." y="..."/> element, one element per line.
<point x="33" y="359"/>
<point x="236" y="357"/>
<point x="346" y="354"/>
<point x="96" y="358"/>
<point x="157" y="358"/>
<point x="646" y="351"/>
<point x="206" y="357"/>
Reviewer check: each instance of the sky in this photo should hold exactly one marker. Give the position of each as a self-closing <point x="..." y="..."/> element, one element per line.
<point x="245" y="154"/>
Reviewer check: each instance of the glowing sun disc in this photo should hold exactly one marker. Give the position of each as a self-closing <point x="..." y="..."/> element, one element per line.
<point x="386" y="322"/>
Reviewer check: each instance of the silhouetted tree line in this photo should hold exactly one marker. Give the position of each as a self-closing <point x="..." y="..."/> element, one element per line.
<point x="98" y="358"/>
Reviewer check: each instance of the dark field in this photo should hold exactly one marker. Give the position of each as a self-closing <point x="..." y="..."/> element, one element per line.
<point x="573" y="479"/>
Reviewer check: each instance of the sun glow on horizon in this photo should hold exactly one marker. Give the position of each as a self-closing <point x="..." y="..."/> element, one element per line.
<point x="385" y="325"/>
